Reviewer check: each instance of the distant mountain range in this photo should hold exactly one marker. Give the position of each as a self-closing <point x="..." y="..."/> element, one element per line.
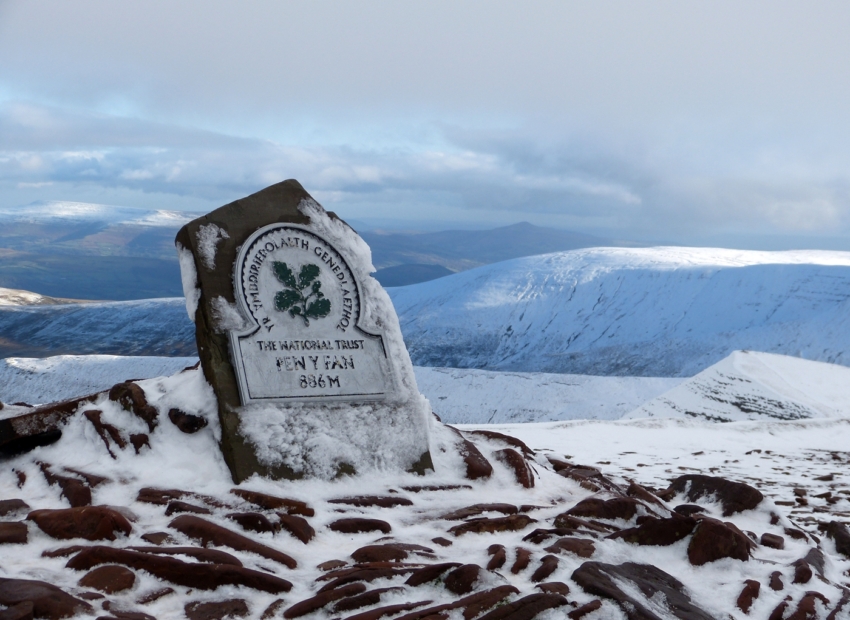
<point x="103" y="252"/>
<point x="651" y="312"/>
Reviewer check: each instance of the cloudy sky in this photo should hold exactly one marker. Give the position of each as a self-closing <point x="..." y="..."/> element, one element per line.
<point x="687" y="122"/>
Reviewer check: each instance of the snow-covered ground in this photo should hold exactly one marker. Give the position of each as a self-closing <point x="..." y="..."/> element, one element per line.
<point x="667" y="311"/>
<point x="783" y="459"/>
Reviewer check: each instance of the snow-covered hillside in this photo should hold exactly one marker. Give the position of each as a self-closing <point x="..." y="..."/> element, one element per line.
<point x="36" y="381"/>
<point x="466" y="396"/>
<point x="667" y="311"/>
<point x="751" y="386"/>
<point x="16" y="297"/>
<point x="145" y="327"/>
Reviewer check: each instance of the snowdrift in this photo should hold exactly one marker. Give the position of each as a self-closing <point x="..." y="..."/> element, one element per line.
<point x="654" y="312"/>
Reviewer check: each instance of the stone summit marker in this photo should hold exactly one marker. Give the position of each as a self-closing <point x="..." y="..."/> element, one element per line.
<point x="300" y="344"/>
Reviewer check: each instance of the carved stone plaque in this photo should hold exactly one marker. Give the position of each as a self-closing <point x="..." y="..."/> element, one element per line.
<point x="300" y="345"/>
<point x="302" y="304"/>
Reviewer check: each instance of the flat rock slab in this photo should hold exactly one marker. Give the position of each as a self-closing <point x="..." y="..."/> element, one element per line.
<point x="601" y="580"/>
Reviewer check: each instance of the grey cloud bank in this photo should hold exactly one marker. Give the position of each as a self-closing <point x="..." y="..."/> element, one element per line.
<point x="679" y="122"/>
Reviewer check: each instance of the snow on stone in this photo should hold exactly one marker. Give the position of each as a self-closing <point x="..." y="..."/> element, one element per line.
<point x="189" y="278"/>
<point x="208" y="237"/>
<point x="311" y="442"/>
<point x="748" y="386"/>
<point x="465" y="396"/>
<point x="667" y="311"/>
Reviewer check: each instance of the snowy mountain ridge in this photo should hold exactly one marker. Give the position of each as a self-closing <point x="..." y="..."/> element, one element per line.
<point x="753" y="386"/>
<point x="62" y="211"/>
<point x="665" y="311"/>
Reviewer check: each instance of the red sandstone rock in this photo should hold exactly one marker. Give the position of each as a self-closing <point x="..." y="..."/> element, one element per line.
<point x="13" y="507"/>
<point x="581" y="612"/>
<point x="47" y="600"/>
<point x="21" y="611"/>
<point x="389" y="610"/>
<point x="270" y="502"/>
<point x="548" y="565"/>
<point x="617" y="508"/>
<point x="477" y="467"/>
<point x="661" y="532"/>
<point x="514" y="460"/>
<point x="365" y="501"/>
<point x="748" y="595"/>
<point x="499" y="558"/>
<point x="210" y="556"/>
<point x="14" y="533"/>
<point x="192" y="575"/>
<point x="733" y="496"/>
<point x="89" y="522"/>
<point x="323" y="598"/>
<point x="207" y="532"/>
<point x="178" y="507"/>
<point x="513" y="442"/>
<point x="186" y="422"/>
<point x="216" y="610"/>
<point x="774" y="541"/>
<point x="523" y="559"/>
<point x="132" y="398"/>
<point x="555" y="587"/>
<point x="429" y="573"/>
<point x="714" y="540"/>
<point x="297" y="526"/>
<point x="109" y="579"/>
<point x="510" y="523"/>
<point x="606" y="580"/>
<point x="477" y="509"/>
<point x="73" y="489"/>
<point x="526" y="608"/>
<point x="358" y="525"/>
<point x="581" y="547"/>
<point x="462" y="579"/>
<point x="252" y="521"/>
